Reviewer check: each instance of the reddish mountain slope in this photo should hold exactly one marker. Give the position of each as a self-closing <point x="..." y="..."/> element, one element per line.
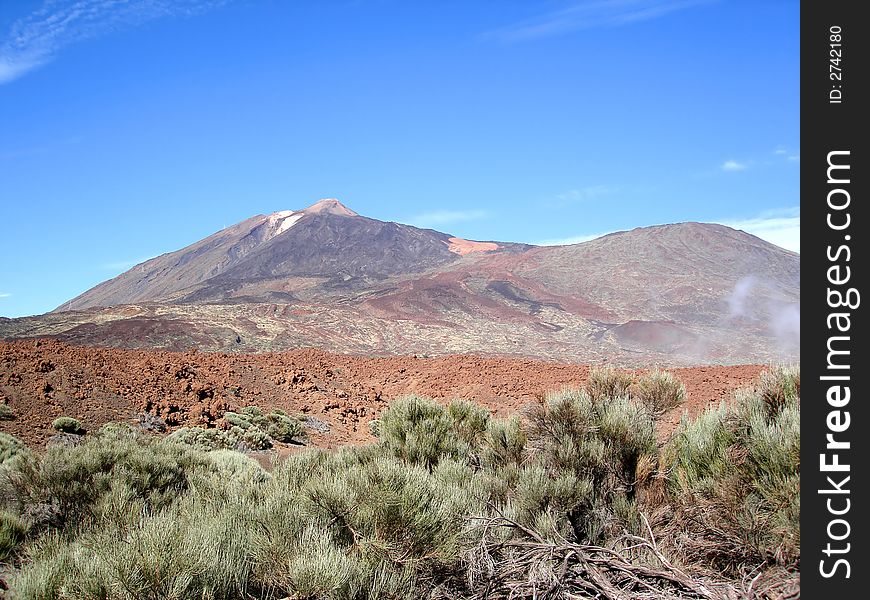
<point x="326" y="277"/>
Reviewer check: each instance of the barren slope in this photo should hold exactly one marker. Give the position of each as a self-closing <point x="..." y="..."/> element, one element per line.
<point x="45" y="379"/>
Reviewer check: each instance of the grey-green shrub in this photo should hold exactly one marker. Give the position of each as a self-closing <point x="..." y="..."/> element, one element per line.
<point x="736" y="472"/>
<point x="697" y="456"/>
<point x="6" y="412"/>
<point x="188" y="551"/>
<point x="12" y="533"/>
<point x="284" y="429"/>
<point x="505" y="443"/>
<point x="608" y="382"/>
<point x="660" y="392"/>
<point x="10" y="448"/>
<point x="199" y="438"/>
<point x="260" y="430"/>
<point x="253" y="412"/>
<point x="600" y="442"/>
<point x="253" y="438"/>
<point x="779" y="387"/>
<point x="237" y="420"/>
<point x="469" y="421"/>
<point x="119" y="431"/>
<point x="68" y="425"/>
<point x="72" y="482"/>
<point x="127" y="515"/>
<point x="418" y="431"/>
<point x="247" y="438"/>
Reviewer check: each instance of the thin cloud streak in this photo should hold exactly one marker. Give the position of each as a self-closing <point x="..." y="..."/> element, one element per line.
<point x="5" y="295"/>
<point x="587" y="193"/>
<point x="733" y="165"/>
<point x="36" y="39"/>
<point x="781" y="227"/>
<point x="588" y="15"/>
<point x="446" y="217"/>
<point x="567" y="241"/>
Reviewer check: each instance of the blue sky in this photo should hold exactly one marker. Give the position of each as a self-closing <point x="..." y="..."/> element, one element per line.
<point x="129" y="128"/>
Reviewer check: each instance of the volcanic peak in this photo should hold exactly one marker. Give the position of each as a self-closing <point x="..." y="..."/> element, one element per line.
<point x="331" y="206"/>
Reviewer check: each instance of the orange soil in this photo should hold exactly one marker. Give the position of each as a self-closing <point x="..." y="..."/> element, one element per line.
<point x="41" y="380"/>
<point x="463" y="247"/>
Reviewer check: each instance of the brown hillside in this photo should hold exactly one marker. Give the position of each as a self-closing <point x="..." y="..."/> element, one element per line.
<point x="41" y="380"/>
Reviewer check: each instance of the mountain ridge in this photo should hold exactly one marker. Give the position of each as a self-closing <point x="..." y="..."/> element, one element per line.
<point x="328" y="277"/>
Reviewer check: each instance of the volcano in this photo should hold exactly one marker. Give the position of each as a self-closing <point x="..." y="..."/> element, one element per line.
<point x="327" y="277"/>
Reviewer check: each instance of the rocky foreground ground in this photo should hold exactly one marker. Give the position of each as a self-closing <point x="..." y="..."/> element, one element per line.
<point x="41" y="380"/>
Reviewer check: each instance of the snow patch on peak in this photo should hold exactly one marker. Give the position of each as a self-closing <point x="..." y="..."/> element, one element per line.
<point x="281" y="221"/>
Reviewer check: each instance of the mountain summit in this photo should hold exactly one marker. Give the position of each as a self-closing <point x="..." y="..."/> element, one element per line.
<point x="324" y="249"/>
<point x="331" y="206"/>
<point x="325" y="276"/>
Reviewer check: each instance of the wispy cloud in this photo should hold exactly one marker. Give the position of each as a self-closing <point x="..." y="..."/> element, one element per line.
<point x="35" y="40"/>
<point x="589" y="14"/>
<point x="733" y="165"/>
<point x="576" y="239"/>
<point x="586" y="193"/>
<point x="446" y="217"/>
<point x="787" y="153"/>
<point x="779" y="226"/>
<point x="5" y="294"/>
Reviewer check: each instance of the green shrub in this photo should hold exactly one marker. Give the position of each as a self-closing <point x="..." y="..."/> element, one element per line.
<point x="505" y="443"/>
<point x="10" y="448"/>
<point x="607" y="382"/>
<point x="450" y="503"/>
<point x="660" y="391"/>
<point x="601" y="443"/>
<point x="234" y="438"/>
<point x="199" y="438"/>
<point x="778" y="388"/>
<point x="230" y="465"/>
<point x="419" y="431"/>
<point x="252" y="430"/>
<point x="12" y="533"/>
<point x="285" y="429"/>
<point x="191" y="551"/>
<point x="697" y="455"/>
<point x="469" y="421"/>
<point x="358" y="523"/>
<point x="67" y="486"/>
<point x="68" y="425"/>
<point x="553" y="503"/>
<point x="119" y="431"/>
<point x="253" y="438"/>
<point x="237" y="420"/>
<point x="734" y="477"/>
<point x="252" y="412"/>
<point x="6" y="412"/>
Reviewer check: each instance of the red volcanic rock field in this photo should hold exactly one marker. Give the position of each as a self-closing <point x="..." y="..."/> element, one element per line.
<point x="43" y="379"/>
